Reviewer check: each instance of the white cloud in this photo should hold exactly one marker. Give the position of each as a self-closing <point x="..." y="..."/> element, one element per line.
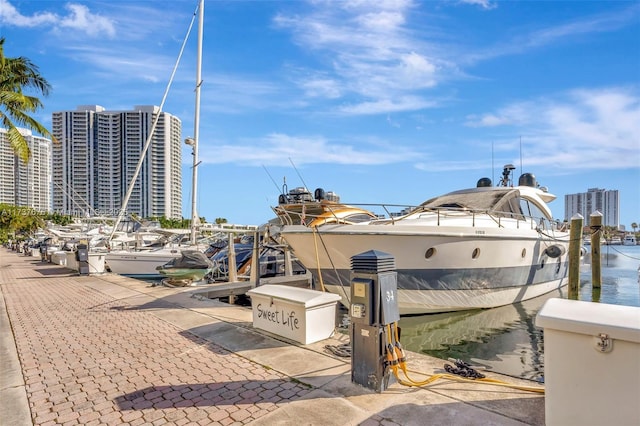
<point x="381" y="106"/>
<point x="580" y="129"/>
<point x="138" y="65"/>
<point x="278" y="148"/>
<point x="379" y="53"/>
<point x="79" y="18"/>
<point x="382" y="21"/>
<point x="514" y="114"/>
<point x="549" y="35"/>
<point x="321" y="87"/>
<point x="485" y="4"/>
<point x="370" y="54"/>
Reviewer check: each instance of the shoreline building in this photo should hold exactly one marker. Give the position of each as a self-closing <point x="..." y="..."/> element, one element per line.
<point x="98" y="153"/>
<point x="26" y="184"/>
<point x="606" y="202"/>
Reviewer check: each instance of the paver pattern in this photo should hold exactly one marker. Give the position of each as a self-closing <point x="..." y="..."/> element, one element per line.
<point x="90" y="359"/>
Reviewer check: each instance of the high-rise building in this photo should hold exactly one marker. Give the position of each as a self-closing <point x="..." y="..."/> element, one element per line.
<point x="98" y="153"/>
<point x="595" y="199"/>
<point x="26" y="184"/>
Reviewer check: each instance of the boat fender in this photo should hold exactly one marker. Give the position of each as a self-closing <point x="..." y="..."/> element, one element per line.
<point x="554" y="251"/>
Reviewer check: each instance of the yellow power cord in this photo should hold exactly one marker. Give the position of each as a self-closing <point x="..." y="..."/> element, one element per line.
<point x="396" y="357"/>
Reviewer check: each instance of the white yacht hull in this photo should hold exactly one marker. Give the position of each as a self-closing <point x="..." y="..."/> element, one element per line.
<point x="439" y="268"/>
<point x="140" y="264"/>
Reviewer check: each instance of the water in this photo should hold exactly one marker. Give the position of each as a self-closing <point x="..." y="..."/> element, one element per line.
<point x="505" y="339"/>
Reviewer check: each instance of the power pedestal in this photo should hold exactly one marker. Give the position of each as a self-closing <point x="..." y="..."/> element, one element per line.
<point x="374" y="305"/>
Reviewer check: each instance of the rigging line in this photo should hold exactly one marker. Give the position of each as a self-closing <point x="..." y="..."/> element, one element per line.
<point x="294" y="168"/>
<point x="315" y="245"/>
<point x="73" y="200"/>
<point x="123" y="208"/>
<point x="333" y="266"/>
<point x="81" y="198"/>
<point x="554" y="238"/>
<point x="270" y="177"/>
<point x="624" y="254"/>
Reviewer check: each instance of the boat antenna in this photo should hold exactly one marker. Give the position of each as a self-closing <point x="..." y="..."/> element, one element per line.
<point x="493" y="171"/>
<point x="521" y="154"/>
<point x="294" y="168"/>
<point x="271" y="177"/>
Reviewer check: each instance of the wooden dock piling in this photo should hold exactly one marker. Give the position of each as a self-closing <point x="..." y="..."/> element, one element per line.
<point x="575" y="243"/>
<point x="595" y="222"/>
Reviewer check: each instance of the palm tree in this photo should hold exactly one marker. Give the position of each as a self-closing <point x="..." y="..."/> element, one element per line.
<point x="634" y="226"/>
<point x="17" y="74"/>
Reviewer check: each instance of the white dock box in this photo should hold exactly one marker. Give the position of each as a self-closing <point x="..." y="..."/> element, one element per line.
<point x="299" y="314"/>
<point x="591" y="363"/>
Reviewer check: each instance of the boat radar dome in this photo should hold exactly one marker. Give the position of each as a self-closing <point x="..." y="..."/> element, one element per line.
<point x="318" y="194"/>
<point x="484" y="182"/>
<point x="527" y="179"/>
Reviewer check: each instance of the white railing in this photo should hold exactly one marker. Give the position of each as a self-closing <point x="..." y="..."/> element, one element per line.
<point x="304" y="217"/>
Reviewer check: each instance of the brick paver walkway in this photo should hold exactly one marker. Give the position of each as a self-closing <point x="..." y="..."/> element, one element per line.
<point x="90" y="359"/>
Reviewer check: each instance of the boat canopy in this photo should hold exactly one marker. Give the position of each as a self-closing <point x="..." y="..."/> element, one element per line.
<point x="190" y="259"/>
<point x="505" y="201"/>
<point x="470" y="200"/>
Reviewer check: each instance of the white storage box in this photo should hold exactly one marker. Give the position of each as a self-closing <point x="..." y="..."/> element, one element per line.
<point x="96" y="262"/>
<point x="59" y="258"/>
<point x="591" y="363"/>
<point x="299" y="314"/>
<point x="72" y="262"/>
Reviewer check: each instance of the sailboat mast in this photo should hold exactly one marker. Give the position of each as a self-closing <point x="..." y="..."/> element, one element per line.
<point x="125" y="202"/>
<point x="196" y="125"/>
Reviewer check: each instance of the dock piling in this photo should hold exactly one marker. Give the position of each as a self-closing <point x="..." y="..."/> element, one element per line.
<point x="595" y="220"/>
<point x="575" y="242"/>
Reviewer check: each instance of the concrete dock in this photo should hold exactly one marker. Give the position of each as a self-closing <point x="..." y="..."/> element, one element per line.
<point x="107" y="350"/>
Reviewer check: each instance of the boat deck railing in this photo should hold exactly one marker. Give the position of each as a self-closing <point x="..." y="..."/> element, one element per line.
<point x="395" y="213"/>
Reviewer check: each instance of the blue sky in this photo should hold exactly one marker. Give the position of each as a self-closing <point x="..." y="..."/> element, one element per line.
<point x="380" y="101"/>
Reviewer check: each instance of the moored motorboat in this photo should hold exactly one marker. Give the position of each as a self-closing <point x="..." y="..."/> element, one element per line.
<point x="476" y="248"/>
<point x="615" y="241"/>
<point x="192" y="265"/>
<point x="299" y="207"/>
<point x="140" y="264"/>
<point x="629" y="240"/>
<point x="143" y="262"/>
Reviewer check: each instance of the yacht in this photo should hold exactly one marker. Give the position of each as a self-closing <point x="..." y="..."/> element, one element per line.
<point x="629" y="240"/>
<point x="482" y="247"/>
